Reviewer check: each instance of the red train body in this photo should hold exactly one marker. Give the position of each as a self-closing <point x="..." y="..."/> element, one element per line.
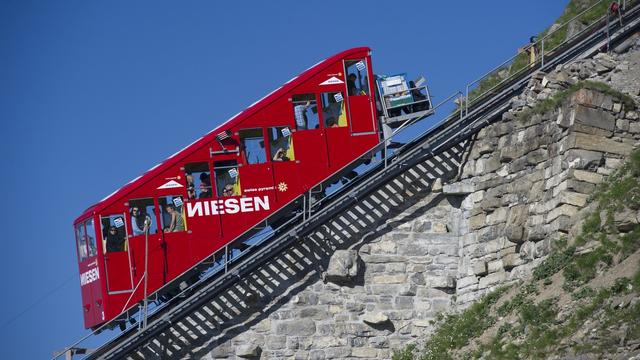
<point x="247" y="170"/>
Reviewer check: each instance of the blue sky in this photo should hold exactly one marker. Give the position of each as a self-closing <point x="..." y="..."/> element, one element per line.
<point x="92" y="94"/>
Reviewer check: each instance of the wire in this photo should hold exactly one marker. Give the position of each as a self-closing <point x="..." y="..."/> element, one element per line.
<point x="37" y="302"/>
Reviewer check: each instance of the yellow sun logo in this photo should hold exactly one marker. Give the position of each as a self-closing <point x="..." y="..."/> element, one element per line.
<point x="282" y="187"/>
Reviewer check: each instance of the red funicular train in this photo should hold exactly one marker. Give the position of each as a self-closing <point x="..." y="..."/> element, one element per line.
<point x="249" y="170"/>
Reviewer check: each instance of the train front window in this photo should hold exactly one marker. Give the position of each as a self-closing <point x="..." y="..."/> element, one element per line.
<point x="198" y="180"/>
<point x="281" y="144"/>
<point x="114" y="233"/>
<point x="357" y="79"/>
<point x="81" y="240"/>
<point x="227" y="178"/>
<point x="91" y="238"/>
<point x="252" y="141"/>
<point x="305" y="111"/>
<point x="142" y="213"/>
<point x="333" y="112"/>
<point x="172" y="214"/>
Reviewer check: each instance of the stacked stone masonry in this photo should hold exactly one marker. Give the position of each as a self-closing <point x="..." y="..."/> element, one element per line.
<point x="436" y="238"/>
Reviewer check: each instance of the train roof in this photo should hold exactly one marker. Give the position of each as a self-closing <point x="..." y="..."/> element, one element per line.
<point x="210" y="136"/>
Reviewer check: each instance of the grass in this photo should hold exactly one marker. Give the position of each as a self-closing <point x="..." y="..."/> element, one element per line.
<point x="456" y="330"/>
<point x="538" y="327"/>
<point x="555" y="101"/>
<point x="521" y="61"/>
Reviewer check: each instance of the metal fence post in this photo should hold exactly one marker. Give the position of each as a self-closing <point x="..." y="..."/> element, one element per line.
<point x="146" y="274"/>
<point x="466" y="101"/>
<point x="542" y="53"/>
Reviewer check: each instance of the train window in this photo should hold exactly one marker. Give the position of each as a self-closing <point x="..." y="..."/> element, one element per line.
<point x="227" y="178"/>
<point x="281" y="144"/>
<point x="114" y="233"/>
<point x="91" y="238"/>
<point x="253" y="146"/>
<point x="81" y="239"/>
<point x="305" y="111"/>
<point x="333" y="110"/>
<point x="198" y="180"/>
<point x="172" y="214"/>
<point x="357" y="79"/>
<point x="142" y="216"/>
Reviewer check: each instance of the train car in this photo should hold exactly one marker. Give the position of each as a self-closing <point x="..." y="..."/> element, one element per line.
<point x="251" y="169"/>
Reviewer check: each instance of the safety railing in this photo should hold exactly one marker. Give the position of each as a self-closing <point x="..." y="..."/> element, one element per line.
<point x="542" y="48"/>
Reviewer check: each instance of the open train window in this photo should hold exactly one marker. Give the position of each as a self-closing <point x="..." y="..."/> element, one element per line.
<point x="114" y="233"/>
<point x="198" y="180"/>
<point x="142" y="213"/>
<point x="81" y="240"/>
<point x="305" y="111"/>
<point x="357" y="79"/>
<point x="333" y="112"/>
<point x="227" y="178"/>
<point x="281" y="144"/>
<point x="172" y="214"/>
<point x="252" y="141"/>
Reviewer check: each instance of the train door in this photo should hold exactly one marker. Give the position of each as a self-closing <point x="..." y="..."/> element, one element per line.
<point x="89" y="275"/>
<point x="359" y="99"/>
<point x="174" y="225"/>
<point x="256" y="174"/>
<point x="336" y="127"/>
<point x="282" y="151"/>
<point x="115" y="248"/>
<point x="203" y="226"/>
<point x="227" y="187"/>
<point x="143" y="222"/>
<point x="310" y="140"/>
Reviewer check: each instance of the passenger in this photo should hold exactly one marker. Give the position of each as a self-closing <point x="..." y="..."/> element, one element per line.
<point x="280" y="155"/>
<point x="191" y="188"/>
<point x="191" y="192"/>
<point x="351" y="85"/>
<point x="205" y="178"/>
<point x="205" y="190"/>
<point x="205" y="186"/>
<point x="228" y="190"/>
<point x="177" y="223"/>
<point x="115" y="240"/>
<point x="82" y="247"/>
<point x="331" y="123"/>
<point x="140" y="221"/>
<point x="300" y="113"/>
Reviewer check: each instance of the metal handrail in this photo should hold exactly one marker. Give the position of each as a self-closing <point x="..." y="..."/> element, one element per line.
<point x="540" y="43"/>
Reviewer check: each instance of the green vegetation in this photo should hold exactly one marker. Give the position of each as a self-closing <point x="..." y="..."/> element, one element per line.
<point x="456" y="330"/>
<point x="559" y="98"/>
<point x="541" y="327"/>
<point x="554" y="39"/>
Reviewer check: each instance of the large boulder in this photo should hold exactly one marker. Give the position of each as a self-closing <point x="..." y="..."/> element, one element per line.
<point x="343" y="266"/>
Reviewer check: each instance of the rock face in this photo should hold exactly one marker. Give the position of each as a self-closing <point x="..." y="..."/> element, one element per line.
<point x="521" y="184"/>
<point x="343" y="266"/>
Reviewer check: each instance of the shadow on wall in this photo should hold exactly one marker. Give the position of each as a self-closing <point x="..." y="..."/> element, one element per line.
<point x="256" y="297"/>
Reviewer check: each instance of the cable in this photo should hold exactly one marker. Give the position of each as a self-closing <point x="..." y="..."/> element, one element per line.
<point x="37" y="302"/>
